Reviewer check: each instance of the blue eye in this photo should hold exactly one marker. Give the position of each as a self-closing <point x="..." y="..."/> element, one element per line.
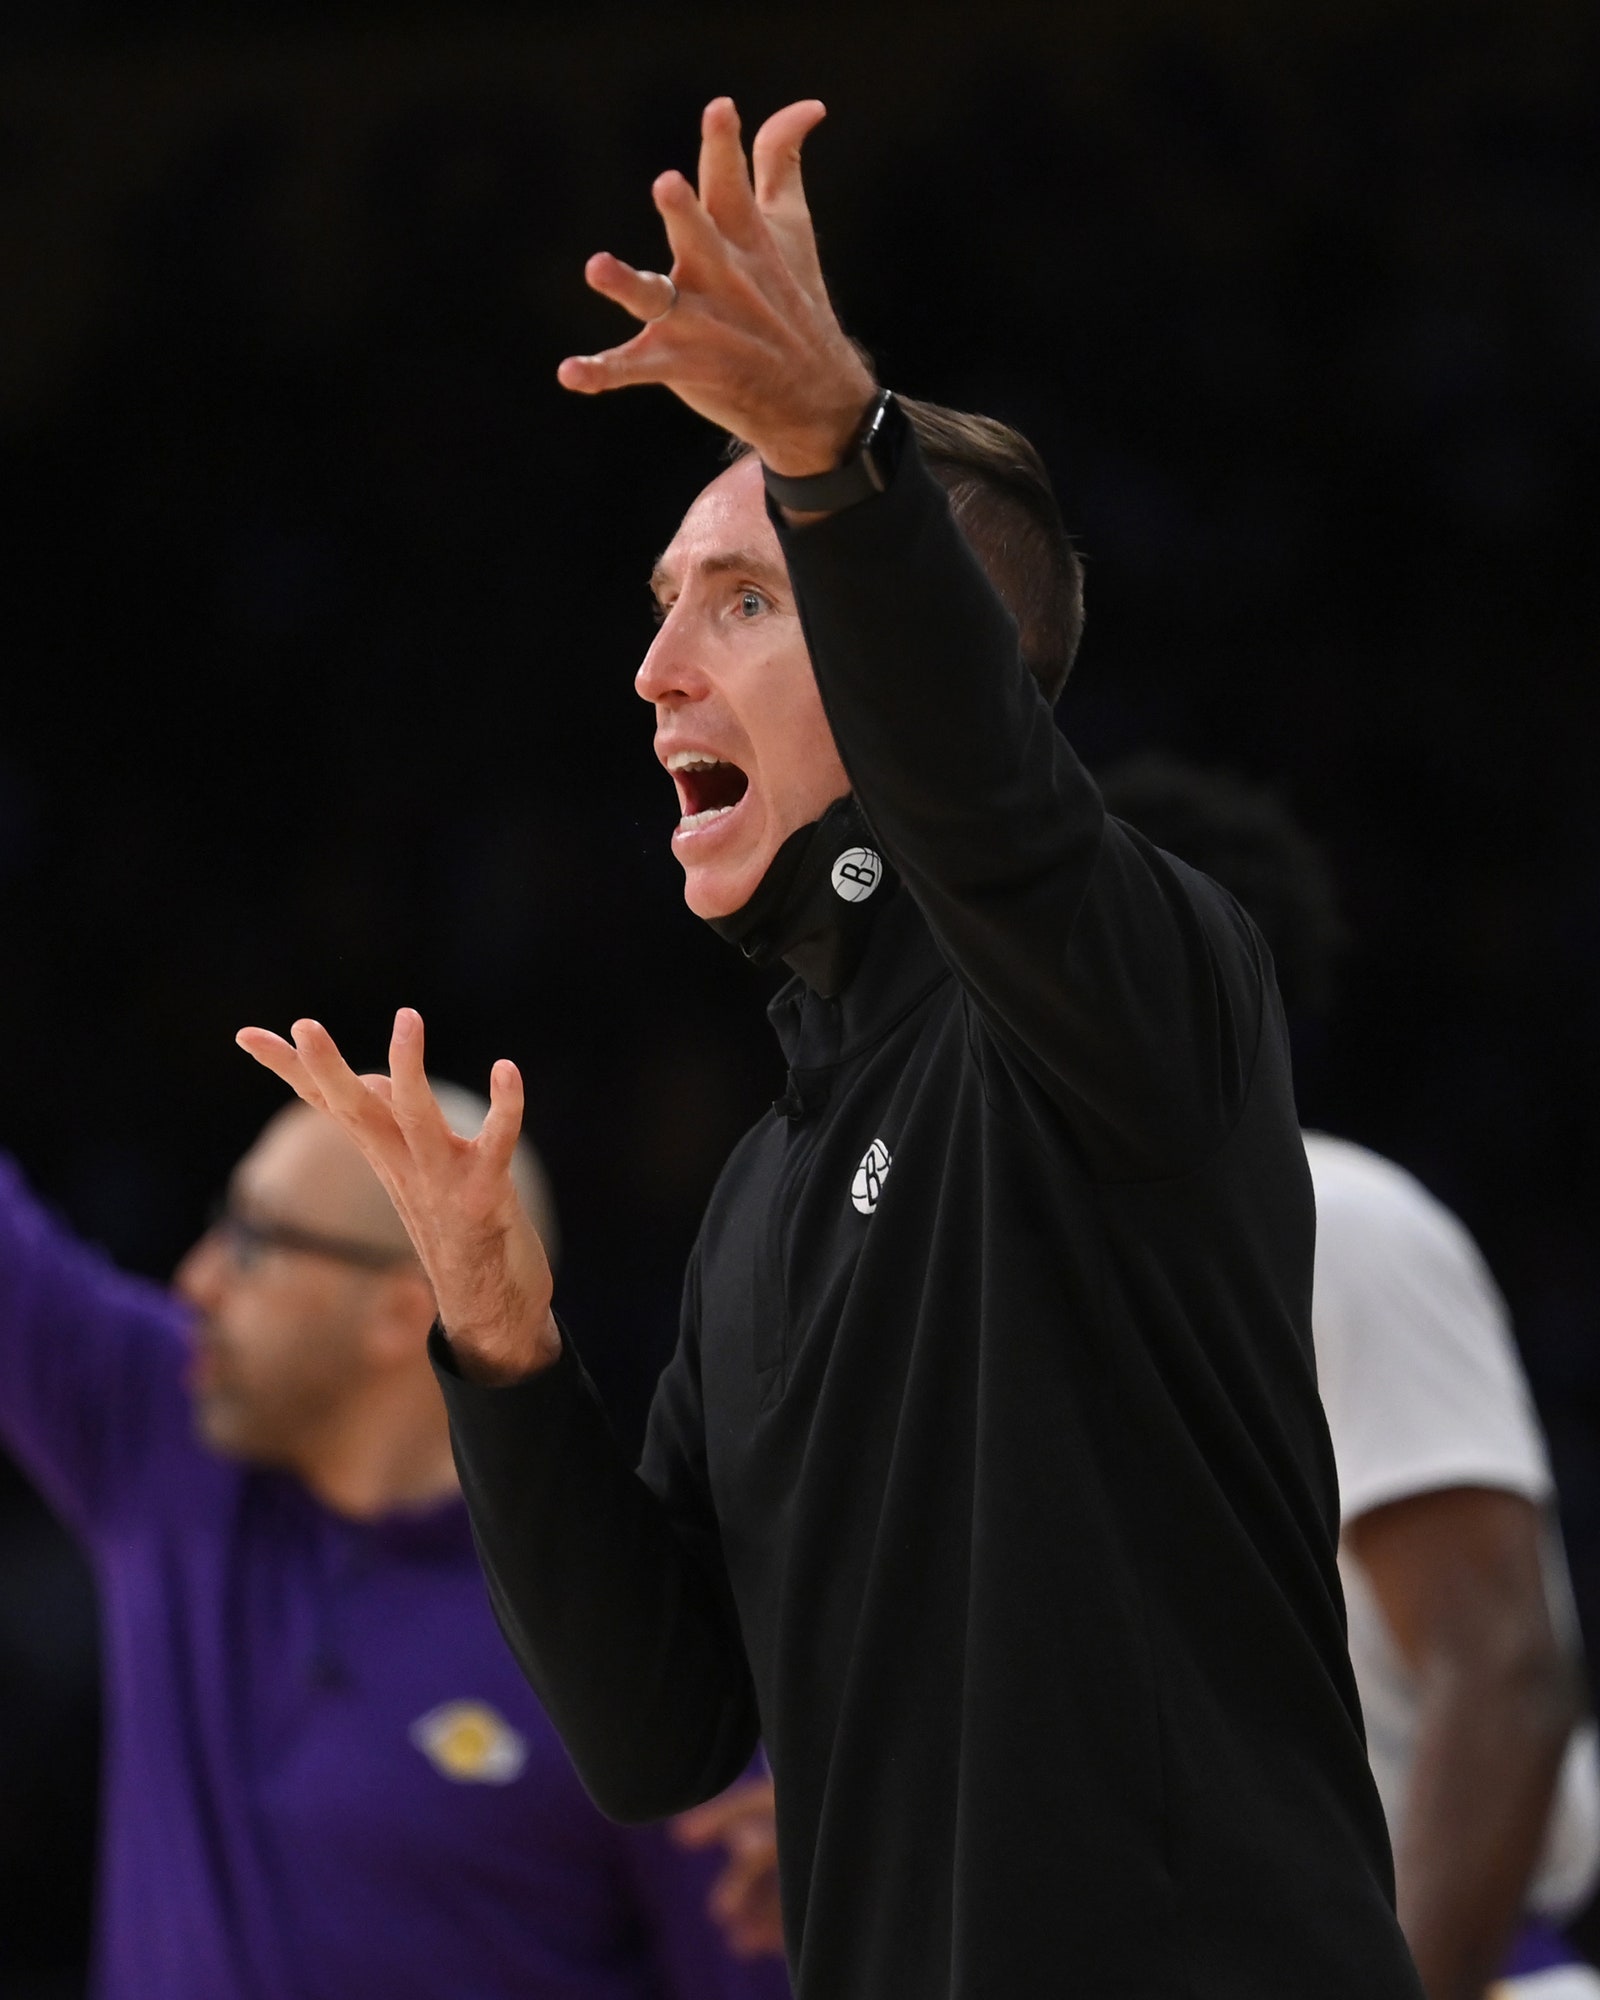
<point x="751" y="603"/>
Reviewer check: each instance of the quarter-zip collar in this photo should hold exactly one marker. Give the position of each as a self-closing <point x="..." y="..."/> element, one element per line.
<point x="898" y="968"/>
<point x="799" y="913"/>
<point x="861" y="962"/>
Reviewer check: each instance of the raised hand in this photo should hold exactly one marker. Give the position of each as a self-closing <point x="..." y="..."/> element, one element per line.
<point x="490" y="1276"/>
<point x="742" y="330"/>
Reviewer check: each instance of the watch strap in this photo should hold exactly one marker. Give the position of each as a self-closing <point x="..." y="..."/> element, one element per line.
<point x="864" y="472"/>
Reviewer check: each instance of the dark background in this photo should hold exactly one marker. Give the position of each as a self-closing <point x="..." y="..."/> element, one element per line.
<point x="321" y="602"/>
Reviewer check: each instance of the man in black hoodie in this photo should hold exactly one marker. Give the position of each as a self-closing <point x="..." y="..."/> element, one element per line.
<point x="988" y="1483"/>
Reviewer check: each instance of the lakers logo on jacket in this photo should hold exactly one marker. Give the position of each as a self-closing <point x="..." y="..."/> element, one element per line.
<point x="471" y="1743"/>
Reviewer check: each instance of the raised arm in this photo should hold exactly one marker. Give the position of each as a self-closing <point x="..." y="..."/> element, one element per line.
<point x="609" y="1590"/>
<point x="90" y="1361"/>
<point x="1130" y="986"/>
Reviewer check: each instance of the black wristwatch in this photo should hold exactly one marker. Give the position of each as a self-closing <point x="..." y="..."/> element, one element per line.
<point x="865" y="471"/>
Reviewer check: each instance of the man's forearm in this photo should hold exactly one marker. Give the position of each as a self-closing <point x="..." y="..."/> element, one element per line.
<point x="1489" y="1748"/>
<point x="625" y="1635"/>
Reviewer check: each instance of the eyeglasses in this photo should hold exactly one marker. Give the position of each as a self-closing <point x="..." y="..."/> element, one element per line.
<point x="248" y="1240"/>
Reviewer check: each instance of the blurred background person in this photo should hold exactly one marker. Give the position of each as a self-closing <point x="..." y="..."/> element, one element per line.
<point x="1462" y="1628"/>
<point x="324" y="1774"/>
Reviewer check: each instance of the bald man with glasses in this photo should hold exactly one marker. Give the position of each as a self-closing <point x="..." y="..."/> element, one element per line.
<point x="324" y="1774"/>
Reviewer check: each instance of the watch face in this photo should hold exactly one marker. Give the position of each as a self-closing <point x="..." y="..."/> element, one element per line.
<point x="881" y="439"/>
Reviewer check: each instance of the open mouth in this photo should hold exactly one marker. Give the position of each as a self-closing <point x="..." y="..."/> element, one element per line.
<point x="707" y="788"/>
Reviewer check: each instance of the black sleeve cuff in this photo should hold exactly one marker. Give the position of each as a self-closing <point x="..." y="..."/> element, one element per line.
<point x="554" y="1383"/>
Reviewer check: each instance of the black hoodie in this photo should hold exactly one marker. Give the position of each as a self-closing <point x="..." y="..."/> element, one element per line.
<point x="989" y="1483"/>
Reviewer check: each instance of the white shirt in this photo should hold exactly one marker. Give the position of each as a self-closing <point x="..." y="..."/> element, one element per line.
<point x="1423" y="1390"/>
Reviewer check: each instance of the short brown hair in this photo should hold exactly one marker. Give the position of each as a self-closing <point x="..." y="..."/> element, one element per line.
<point x="1003" y="502"/>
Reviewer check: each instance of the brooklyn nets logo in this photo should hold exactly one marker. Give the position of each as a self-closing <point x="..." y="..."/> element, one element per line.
<point x="870" y="1177"/>
<point x="856" y="873"/>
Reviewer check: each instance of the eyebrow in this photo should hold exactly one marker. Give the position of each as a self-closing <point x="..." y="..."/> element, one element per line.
<point x="748" y="562"/>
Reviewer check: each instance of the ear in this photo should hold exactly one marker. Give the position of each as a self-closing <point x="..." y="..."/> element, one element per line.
<point x="402" y="1312"/>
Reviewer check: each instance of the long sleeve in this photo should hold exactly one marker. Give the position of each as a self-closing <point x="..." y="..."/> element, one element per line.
<point x="90" y="1361"/>
<point x="611" y="1593"/>
<point x="1128" y="982"/>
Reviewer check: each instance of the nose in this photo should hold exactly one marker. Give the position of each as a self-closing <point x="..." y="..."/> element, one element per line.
<point x="668" y="672"/>
<point x="203" y="1273"/>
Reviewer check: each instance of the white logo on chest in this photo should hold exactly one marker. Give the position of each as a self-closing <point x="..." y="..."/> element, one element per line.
<point x="856" y="873"/>
<point x="870" y="1177"/>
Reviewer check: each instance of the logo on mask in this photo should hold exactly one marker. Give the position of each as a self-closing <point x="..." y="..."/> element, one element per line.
<point x="856" y="873"/>
<point x="870" y="1177"/>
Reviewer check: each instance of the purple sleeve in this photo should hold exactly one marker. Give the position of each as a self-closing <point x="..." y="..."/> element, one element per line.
<point x="672" y="1885"/>
<point x="90" y="1360"/>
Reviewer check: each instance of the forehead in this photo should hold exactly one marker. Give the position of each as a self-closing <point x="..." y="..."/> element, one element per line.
<point x="728" y="519"/>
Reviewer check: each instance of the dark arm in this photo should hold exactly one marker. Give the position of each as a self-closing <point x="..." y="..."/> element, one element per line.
<point x="1131" y="985"/>
<point x="611" y="1594"/>
<point x="1458" y="1578"/>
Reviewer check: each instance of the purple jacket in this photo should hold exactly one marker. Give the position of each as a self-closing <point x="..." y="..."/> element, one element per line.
<point x="324" y="1777"/>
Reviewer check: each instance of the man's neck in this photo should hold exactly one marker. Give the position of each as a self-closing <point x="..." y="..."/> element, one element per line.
<point x="382" y="1463"/>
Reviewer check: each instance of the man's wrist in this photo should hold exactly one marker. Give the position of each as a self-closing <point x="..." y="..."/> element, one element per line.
<point x="827" y="440"/>
<point x="496" y="1361"/>
<point x="865" y="470"/>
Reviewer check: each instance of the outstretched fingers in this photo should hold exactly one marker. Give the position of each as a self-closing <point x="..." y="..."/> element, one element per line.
<point x="497" y="1139"/>
<point x="698" y="246"/>
<point x="410" y="1096"/>
<point x="725" y="191"/>
<point x="313" y="1068"/>
<point x="283" y="1059"/>
<point x="646" y="294"/>
<point x="368" y="1119"/>
<point x="775" y="153"/>
<point x="781" y="192"/>
<point x="749" y="339"/>
<point x="614" y="368"/>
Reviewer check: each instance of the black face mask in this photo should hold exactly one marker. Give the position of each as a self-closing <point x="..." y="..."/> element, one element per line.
<point x="802" y="914"/>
